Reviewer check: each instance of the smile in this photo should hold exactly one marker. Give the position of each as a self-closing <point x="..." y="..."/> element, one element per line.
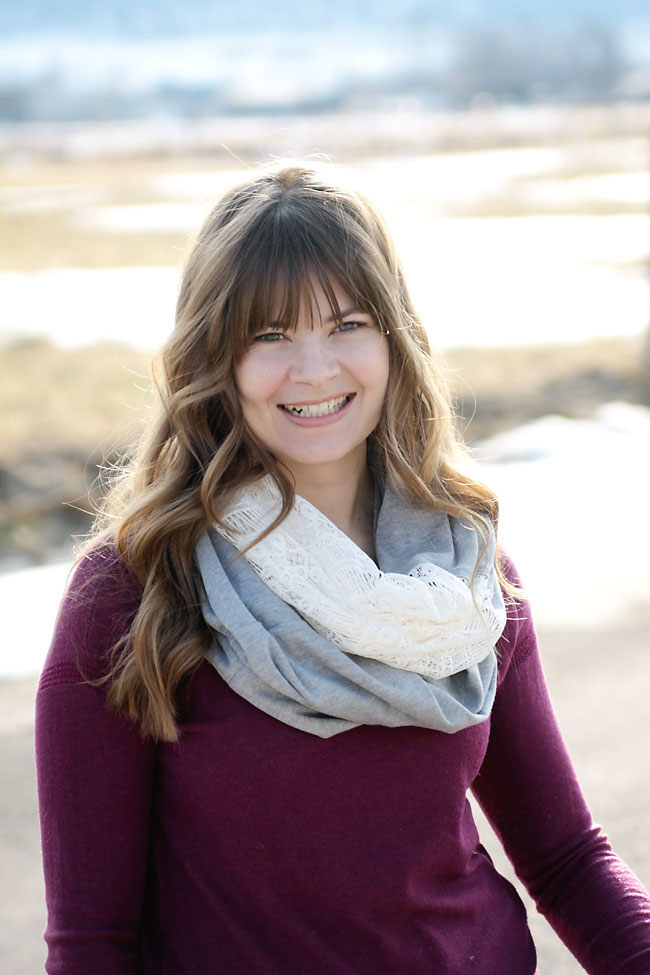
<point x="318" y="409"/>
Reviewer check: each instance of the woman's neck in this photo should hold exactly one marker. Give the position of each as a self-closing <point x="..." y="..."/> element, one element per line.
<point x="347" y="499"/>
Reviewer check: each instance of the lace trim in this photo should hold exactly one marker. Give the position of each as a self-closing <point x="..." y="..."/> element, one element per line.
<point x="426" y="621"/>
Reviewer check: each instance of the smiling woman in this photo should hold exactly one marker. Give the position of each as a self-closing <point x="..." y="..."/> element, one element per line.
<point x="294" y="645"/>
<point x="312" y="395"/>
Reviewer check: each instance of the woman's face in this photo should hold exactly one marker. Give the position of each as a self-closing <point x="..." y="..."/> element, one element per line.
<point x="312" y="395"/>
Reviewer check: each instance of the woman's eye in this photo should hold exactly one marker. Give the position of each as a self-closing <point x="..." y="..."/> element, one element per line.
<point x="269" y="337"/>
<point x="350" y="326"/>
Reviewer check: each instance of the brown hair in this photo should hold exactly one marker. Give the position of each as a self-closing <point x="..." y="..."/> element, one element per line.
<point x="282" y="228"/>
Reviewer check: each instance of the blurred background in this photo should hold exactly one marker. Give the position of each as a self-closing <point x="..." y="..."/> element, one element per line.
<point x="508" y="148"/>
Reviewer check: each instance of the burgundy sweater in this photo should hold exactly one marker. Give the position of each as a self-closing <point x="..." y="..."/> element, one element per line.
<point x="251" y="847"/>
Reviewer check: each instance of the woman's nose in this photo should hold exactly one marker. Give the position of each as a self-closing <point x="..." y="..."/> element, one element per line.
<point x="313" y="360"/>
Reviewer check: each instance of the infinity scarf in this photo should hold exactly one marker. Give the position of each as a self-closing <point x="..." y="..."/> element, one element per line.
<point x="309" y="629"/>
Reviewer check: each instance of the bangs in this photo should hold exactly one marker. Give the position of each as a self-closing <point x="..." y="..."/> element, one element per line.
<point x="278" y="270"/>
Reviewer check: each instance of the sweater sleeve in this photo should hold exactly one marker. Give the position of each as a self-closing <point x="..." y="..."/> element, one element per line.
<point x="94" y="783"/>
<point x="528" y="790"/>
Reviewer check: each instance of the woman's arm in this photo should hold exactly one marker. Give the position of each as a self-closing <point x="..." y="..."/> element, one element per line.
<point x="528" y="790"/>
<point x="94" y="780"/>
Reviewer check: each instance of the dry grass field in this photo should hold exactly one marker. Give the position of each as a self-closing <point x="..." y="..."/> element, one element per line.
<point x="53" y="180"/>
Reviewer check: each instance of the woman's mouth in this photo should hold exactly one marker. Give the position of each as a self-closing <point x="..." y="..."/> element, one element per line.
<point x="318" y="409"/>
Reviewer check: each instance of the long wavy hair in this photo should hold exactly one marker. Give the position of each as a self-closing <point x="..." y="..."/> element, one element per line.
<point x="265" y="241"/>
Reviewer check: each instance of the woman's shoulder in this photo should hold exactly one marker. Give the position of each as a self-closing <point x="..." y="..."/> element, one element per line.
<point x="98" y="606"/>
<point x="102" y="583"/>
<point x="100" y="574"/>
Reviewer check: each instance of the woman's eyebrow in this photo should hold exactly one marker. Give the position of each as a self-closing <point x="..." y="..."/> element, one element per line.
<point x="344" y="314"/>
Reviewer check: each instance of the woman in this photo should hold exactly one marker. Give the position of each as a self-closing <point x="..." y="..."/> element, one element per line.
<point x="294" y="648"/>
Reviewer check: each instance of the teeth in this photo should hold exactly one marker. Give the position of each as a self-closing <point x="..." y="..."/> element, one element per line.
<point x="318" y="409"/>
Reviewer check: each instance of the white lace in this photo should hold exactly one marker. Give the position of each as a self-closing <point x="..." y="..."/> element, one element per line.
<point x="426" y="621"/>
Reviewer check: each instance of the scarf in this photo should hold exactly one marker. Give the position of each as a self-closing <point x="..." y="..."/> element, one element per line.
<point x="311" y="631"/>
